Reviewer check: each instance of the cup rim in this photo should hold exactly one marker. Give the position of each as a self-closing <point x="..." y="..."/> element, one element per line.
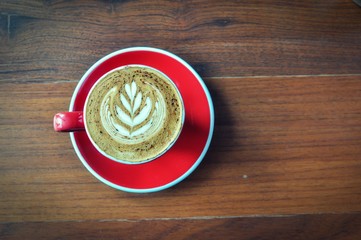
<point x="148" y="159"/>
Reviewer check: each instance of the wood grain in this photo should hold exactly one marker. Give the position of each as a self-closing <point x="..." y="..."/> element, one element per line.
<point x="59" y="40"/>
<point x="327" y="226"/>
<point x="285" y="160"/>
<point x="282" y="145"/>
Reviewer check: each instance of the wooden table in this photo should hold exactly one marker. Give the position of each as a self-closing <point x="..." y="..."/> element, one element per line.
<point x="285" y="160"/>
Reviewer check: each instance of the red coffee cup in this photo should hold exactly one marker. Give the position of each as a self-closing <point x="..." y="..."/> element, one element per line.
<point x="129" y="97"/>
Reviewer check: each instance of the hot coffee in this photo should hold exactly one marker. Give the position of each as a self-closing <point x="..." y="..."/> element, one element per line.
<point x="134" y="114"/>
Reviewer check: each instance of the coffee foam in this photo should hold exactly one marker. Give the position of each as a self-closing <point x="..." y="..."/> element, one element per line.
<point x="133" y="114"/>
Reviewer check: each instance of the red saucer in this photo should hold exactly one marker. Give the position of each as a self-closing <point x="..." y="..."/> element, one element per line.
<point x="191" y="146"/>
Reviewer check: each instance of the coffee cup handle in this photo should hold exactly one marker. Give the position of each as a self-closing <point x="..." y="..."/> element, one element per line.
<point x="68" y="121"/>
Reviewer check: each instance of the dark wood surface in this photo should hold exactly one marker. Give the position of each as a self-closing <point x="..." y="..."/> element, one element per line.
<point x="324" y="226"/>
<point x="285" y="160"/>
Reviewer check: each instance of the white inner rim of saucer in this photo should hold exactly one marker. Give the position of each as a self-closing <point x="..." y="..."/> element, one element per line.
<point x="211" y="116"/>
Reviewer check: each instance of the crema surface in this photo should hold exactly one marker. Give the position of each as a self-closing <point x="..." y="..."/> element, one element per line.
<point x="134" y="114"/>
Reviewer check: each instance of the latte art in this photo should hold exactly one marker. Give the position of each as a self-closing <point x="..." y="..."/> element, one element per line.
<point x="133" y="114"/>
<point x="138" y="115"/>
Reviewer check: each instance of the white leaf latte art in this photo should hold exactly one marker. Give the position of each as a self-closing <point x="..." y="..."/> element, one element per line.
<point x="137" y="116"/>
<point x="134" y="114"/>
